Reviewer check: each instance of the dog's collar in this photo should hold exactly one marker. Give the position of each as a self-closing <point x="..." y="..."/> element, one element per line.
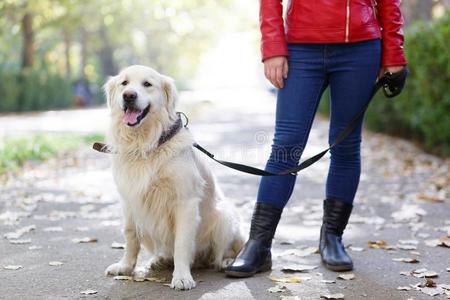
<point x="172" y="131"/>
<point x="165" y="136"/>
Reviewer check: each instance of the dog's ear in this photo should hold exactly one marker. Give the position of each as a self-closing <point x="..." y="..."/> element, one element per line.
<point x="110" y="90"/>
<point x="170" y="93"/>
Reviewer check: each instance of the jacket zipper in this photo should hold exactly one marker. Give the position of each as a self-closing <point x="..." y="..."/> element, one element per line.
<point x="374" y="7"/>
<point x="347" y="22"/>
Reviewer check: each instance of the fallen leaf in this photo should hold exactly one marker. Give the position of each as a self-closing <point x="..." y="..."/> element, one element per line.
<point x="156" y="279"/>
<point x="423" y="235"/>
<point x="139" y="279"/>
<point x="432" y="291"/>
<point x="356" y="249"/>
<point x="403" y="288"/>
<point x="424" y="273"/>
<point x="409" y="242"/>
<point x="290" y="279"/>
<point x="53" y="229"/>
<point x="421" y="270"/>
<point x="408" y="213"/>
<point x="405" y="273"/>
<point x="81" y="228"/>
<point x="85" y="240"/>
<point x="298" y="268"/>
<point x="332" y="296"/>
<point x="432" y="243"/>
<point x="34" y="247"/>
<point x="431" y="198"/>
<point x="55" y="263"/>
<point x="19" y="232"/>
<point x="430" y="283"/>
<point x="277" y="289"/>
<point x="299" y="252"/>
<point x="407" y="260"/>
<point x="123" y="277"/>
<point x="349" y="276"/>
<point x="328" y="281"/>
<point x="116" y="245"/>
<point x="381" y="244"/>
<point x="20" y="242"/>
<point x="12" y="267"/>
<point x="88" y="292"/>
<point x="406" y="247"/>
<point x="443" y="242"/>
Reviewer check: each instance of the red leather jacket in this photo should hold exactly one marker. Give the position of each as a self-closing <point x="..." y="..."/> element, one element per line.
<point x="332" y="21"/>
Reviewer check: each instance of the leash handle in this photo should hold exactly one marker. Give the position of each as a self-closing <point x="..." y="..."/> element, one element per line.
<point x="308" y="162"/>
<point x="101" y="147"/>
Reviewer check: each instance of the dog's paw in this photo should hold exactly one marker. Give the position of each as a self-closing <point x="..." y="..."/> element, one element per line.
<point x="226" y="262"/>
<point x="119" y="269"/>
<point x="183" y="282"/>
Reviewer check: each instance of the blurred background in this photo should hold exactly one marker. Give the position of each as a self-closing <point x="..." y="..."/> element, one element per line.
<point x="56" y="54"/>
<point x="59" y="210"/>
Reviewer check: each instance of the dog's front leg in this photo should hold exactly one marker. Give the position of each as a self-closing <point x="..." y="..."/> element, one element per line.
<point x="132" y="247"/>
<point x="184" y="251"/>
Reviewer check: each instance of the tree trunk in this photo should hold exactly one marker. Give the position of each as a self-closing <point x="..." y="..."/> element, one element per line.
<point x="84" y="51"/>
<point x="67" y="45"/>
<point x="28" y="41"/>
<point x="106" y="54"/>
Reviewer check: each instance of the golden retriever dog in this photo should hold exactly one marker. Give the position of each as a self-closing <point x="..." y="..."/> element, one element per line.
<point x="172" y="205"/>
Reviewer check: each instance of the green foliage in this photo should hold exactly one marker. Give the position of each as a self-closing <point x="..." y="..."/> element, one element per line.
<point x="33" y="90"/>
<point x="422" y="111"/>
<point x="14" y="152"/>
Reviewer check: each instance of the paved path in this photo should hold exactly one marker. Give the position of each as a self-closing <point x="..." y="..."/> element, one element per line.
<point x="402" y="200"/>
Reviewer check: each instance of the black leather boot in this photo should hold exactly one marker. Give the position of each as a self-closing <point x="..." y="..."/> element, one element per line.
<point x="335" y="218"/>
<point x="255" y="256"/>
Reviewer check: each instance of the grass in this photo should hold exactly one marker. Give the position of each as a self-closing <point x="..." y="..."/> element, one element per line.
<point x="15" y="152"/>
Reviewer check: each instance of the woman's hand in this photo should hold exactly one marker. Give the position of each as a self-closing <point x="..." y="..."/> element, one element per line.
<point x="392" y="69"/>
<point x="276" y="70"/>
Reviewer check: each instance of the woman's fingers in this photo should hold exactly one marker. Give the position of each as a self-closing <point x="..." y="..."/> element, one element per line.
<point x="275" y="70"/>
<point x="273" y="77"/>
<point x="285" y="69"/>
<point x="279" y="76"/>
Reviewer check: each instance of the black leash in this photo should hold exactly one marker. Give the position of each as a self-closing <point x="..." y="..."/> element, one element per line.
<point x="308" y="162"/>
<point x="392" y="84"/>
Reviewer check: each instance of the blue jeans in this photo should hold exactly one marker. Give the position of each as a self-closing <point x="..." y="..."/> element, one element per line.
<point x="350" y="70"/>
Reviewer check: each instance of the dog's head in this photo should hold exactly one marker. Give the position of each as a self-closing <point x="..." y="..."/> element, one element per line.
<point x="138" y="92"/>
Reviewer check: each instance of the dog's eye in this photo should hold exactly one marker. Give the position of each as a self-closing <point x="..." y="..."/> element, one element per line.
<point x="125" y="82"/>
<point x="147" y="84"/>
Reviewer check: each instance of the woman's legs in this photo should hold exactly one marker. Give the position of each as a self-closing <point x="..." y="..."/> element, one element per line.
<point x="353" y="69"/>
<point x="297" y="103"/>
<point x="296" y="106"/>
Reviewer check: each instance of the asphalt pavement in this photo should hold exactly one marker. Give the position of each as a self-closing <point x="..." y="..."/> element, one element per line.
<point x="59" y="219"/>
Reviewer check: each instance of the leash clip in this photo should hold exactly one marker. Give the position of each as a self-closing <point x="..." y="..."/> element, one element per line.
<point x="180" y="113"/>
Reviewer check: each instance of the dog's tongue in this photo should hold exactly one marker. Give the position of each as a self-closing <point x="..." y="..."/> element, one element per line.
<point x="131" y="116"/>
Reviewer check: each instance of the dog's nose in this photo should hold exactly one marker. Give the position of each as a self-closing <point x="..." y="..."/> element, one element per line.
<point x="129" y="96"/>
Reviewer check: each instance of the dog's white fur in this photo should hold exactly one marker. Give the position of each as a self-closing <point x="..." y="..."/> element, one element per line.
<point x="171" y="202"/>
